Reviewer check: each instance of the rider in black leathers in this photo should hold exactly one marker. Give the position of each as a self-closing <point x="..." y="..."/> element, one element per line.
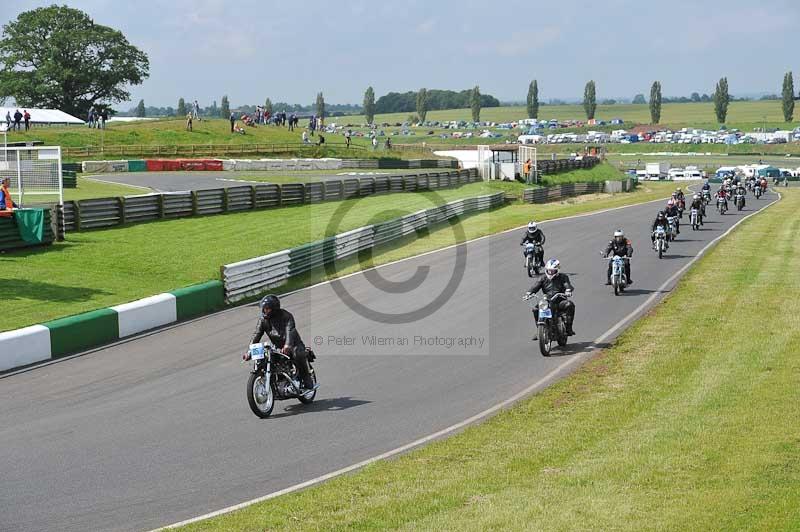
<point x="535" y="235"/>
<point x="279" y="326"/>
<point x="660" y="221"/>
<point x="672" y="210"/>
<point x="551" y="283"/>
<point x="619" y="246"/>
<point x="700" y="205"/>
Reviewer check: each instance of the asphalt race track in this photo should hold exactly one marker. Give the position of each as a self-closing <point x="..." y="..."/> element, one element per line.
<point x="157" y="430"/>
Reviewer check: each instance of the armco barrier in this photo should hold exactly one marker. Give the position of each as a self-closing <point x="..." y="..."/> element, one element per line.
<point x="109" y="212"/>
<point x="73" y="334"/>
<point x="251" y="277"/>
<point x="555" y="193"/>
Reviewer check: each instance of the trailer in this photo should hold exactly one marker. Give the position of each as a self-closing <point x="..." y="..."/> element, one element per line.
<point x="656" y="171"/>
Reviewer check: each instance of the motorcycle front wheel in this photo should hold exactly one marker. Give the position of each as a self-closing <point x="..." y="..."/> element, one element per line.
<point x="260" y="395"/>
<point x="544" y="340"/>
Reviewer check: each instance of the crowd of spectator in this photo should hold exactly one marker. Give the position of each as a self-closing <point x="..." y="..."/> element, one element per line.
<point x="97" y="118"/>
<point x="15" y="122"/>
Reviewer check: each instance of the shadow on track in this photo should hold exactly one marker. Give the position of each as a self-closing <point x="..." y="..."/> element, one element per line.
<point x="321" y="405"/>
<point x="578" y="347"/>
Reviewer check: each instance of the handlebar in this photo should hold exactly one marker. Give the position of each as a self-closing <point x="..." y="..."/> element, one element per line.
<point x="528" y="295"/>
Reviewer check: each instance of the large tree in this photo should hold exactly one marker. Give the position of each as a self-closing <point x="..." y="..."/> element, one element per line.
<point x="181" y="112"/>
<point x="369" y="105"/>
<point x="533" y="100"/>
<point x="655" y="103"/>
<point x="320" y="106"/>
<point x="788" y="96"/>
<point x="141" y="111"/>
<point x="590" y="99"/>
<point x="475" y="103"/>
<point x="225" y="107"/>
<point x="57" y="57"/>
<point x="721" y="100"/>
<point x="422" y="104"/>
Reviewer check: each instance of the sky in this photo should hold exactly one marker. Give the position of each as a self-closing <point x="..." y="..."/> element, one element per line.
<point x="289" y="51"/>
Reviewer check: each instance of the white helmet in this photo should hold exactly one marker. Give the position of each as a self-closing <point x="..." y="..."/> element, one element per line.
<point x="532" y="227"/>
<point x="551" y="268"/>
<point x="618" y="232"/>
<point x="696" y="196"/>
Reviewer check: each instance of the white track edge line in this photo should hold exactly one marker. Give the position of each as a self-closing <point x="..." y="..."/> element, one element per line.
<point x="477" y="417"/>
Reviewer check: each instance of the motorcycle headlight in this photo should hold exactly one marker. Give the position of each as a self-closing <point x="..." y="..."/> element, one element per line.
<point x="543" y="305"/>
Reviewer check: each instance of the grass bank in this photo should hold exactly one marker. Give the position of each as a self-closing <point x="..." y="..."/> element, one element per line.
<point x="601" y="172"/>
<point x="96" y="269"/>
<point x="673" y="428"/>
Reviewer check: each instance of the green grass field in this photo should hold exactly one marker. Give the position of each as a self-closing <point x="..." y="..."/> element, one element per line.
<point x="95" y="269"/>
<point x="676" y="427"/>
<point x="742" y="115"/>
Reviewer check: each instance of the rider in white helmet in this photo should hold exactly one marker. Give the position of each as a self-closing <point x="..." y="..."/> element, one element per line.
<point x="619" y="247"/>
<point x="535" y="235"/>
<point x="551" y="283"/>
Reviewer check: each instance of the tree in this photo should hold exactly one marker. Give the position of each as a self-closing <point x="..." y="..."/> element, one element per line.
<point x="181" y="108"/>
<point x="721" y="100"/>
<point x="695" y="97"/>
<point x="422" y="104"/>
<point x="225" y="107"/>
<point x="532" y="103"/>
<point x="57" y="57"/>
<point x="369" y="105"/>
<point x="655" y="103"/>
<point x="320" y="106"/>
<point x="268" y="106"/>
<point x="475" y="103"/>
<point x="788" y="96"/>
<point x="141" y="112"/>
<point x="589" y="99"/>
<point x="639" y="99"/>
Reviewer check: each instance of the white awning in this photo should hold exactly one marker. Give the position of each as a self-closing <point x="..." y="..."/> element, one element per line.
<point x="41" y="116"/>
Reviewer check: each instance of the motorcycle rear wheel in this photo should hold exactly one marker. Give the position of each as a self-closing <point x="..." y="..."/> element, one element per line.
<point x="265" y="407"/>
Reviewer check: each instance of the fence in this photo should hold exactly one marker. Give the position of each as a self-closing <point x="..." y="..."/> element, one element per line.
<point x="561" y="165"/>
<point x="547" y="194"/>
<point x="109" y="212"/>
<point x="33" y="171"/>
<point x="251" y="277"/>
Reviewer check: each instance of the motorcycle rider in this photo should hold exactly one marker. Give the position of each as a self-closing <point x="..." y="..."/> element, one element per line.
<point x="551" y="283"/>
<point x="279" y="326"/>
<point x="672" y="210"/>
<point x="535" y="235"/>
<point x="699" y="204"/>
<point x="660" y="221"/>
<point x="722" y="194"/>
<point x="619" y="246"/>
<point x="741" y="190"/>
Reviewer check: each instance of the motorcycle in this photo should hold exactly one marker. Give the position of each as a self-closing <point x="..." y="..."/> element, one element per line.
<point x="619" y="281"/>
<point x="681" y="208"/>
<point x="739" y="201"/>
<point x="757" y="191"/>
<point x="707" y="197"/>
<point x="694" y="217"/>
<point x="533" y="262"/>
<point x="660" y="244"/>
<point x="275" y="377"/>
<point x="551" y="325"/>
<point x="722" y="205"/>
<point x="672" y="234"/>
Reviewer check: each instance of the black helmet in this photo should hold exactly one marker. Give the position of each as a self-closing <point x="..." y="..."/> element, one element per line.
<point x="270" y="302"/>
<point x="660" y="215"/>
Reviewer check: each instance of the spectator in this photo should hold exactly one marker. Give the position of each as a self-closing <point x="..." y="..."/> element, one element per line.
<point x="305" y="137"/>
<point x="17" y="120"/>
<point x="233" y="121"/>
<point x="189" y="121"/>
<point x="388" y="144"/>
<point x="347" y="138"/>
<point x="90" y="122"/>
<point x="8" y="119"/>
<point x="27" y="117"/>
<point x="374" y="143"/>
<point x="291" y="122"/>
<point x="103" y="118"/>
<point x="6" y="203"/>
<point x="321" y="139"/>
<point x="196" y="110"/>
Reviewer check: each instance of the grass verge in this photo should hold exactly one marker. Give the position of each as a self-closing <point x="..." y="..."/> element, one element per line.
<point x="91" y="188"/>
<point x="96" y="269"/>
<point x="676" y="427"/>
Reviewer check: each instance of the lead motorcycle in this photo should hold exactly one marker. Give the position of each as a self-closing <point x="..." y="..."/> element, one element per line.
<point x="619" y="281"/>
<point x="551" y="325"/>
<point x="660" y="244"/>
<point x="275" y="377"/>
